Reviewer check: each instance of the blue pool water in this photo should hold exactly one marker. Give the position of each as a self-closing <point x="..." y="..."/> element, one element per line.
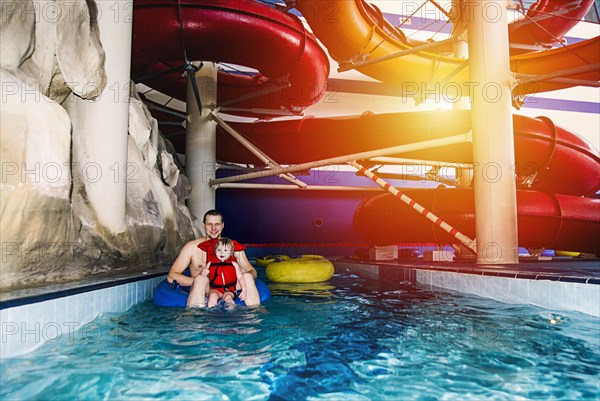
<point x="349" y="339"/>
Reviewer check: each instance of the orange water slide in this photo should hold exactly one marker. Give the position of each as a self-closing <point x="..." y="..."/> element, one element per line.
<point x="352" y="31"/>
<point x="581" y="56"/>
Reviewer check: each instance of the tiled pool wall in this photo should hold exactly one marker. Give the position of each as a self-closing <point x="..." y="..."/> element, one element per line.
<point x="27" y="323"/>
<point x="551" y="294"/>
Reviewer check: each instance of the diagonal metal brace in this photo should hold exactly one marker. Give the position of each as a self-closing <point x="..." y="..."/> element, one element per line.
<point x="191" y="70"/>
<point x="255" y="151"/>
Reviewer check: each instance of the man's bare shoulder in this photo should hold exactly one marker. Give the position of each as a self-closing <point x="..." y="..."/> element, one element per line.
<point x="192" y="245"/>
<point x="198" y="240"/>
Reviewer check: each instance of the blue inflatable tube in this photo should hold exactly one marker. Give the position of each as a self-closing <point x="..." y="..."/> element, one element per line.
<point x="167" y="295"/>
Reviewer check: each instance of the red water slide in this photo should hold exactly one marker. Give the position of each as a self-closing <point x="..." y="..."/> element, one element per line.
<point x="292" y="67"/>
<point x="547" y="21"/>
<point x="243" y="32"/>
<point x="546" y="220"/>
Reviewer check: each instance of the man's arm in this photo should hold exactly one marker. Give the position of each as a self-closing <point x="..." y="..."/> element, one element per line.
<point x="244" y="263"/>
<point x="240" y="279"/>
<point x="181" y="263"/>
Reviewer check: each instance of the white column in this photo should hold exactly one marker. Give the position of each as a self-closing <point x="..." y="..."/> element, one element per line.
<point x="493" y="137"/>
<point x="100" y="127"/>
<point x="201" y="141"/>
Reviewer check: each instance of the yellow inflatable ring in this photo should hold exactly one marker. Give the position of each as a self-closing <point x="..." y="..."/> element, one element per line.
<point x="305" y="269"/>
<point x="265" y="260"/>
<point x="311" y="257"/>
<point x="567" y="253"/>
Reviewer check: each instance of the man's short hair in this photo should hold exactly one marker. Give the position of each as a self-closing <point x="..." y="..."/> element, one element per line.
<point x="213" y="212"/>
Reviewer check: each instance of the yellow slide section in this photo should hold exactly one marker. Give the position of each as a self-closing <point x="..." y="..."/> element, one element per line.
<point x="352" y="30"/>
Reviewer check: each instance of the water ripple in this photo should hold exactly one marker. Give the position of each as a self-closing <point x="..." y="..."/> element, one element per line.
<point x="348" y="339"/>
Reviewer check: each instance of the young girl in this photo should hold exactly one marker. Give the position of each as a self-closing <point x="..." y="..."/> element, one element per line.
<point x="223" y="274"/>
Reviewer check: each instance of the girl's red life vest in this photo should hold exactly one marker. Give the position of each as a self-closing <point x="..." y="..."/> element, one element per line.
<point x="221" y="275"/>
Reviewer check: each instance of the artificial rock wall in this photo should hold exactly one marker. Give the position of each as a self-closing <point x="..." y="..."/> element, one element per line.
<point x="49" y="230"/>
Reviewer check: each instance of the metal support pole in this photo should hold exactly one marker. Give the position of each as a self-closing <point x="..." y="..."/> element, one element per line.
<point x="419" y="162"/>
<point x="460" y="48"/>
<point x="563" y="81"/>
<point x="257" y="111"/>
<point x="559" y="76"/>
<point x="337" y="188"/>
<point x="346" y="66"/>
<point x="201" y="140"/>
<point x="411" y="147"/>
<point x="493" y="136"/>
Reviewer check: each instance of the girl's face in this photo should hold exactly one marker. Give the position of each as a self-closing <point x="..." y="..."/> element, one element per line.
<point x="223" y="252"/>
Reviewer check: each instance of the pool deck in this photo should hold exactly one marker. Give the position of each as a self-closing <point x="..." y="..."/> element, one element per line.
<point x="30" y="317"/>
<point x="556" y="284"/>
<point x="41" y="293"/>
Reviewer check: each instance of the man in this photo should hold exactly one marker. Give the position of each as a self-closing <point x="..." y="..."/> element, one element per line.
<point x="195" y="258"/>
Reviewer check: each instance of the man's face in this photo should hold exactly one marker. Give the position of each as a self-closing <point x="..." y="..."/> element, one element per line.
<point x="213" y="226"/>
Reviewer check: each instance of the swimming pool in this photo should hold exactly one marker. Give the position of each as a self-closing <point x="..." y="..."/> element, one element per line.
<point x="349" y="339"/>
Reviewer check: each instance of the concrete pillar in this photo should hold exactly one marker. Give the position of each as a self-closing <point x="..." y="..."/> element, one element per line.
<point x="493" y="137"/>
<point x="100" y="127"/>
<point x="201" y="141"/>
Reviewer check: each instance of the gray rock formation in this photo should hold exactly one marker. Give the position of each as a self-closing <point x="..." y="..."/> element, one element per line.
<point x="49" y="231"/>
